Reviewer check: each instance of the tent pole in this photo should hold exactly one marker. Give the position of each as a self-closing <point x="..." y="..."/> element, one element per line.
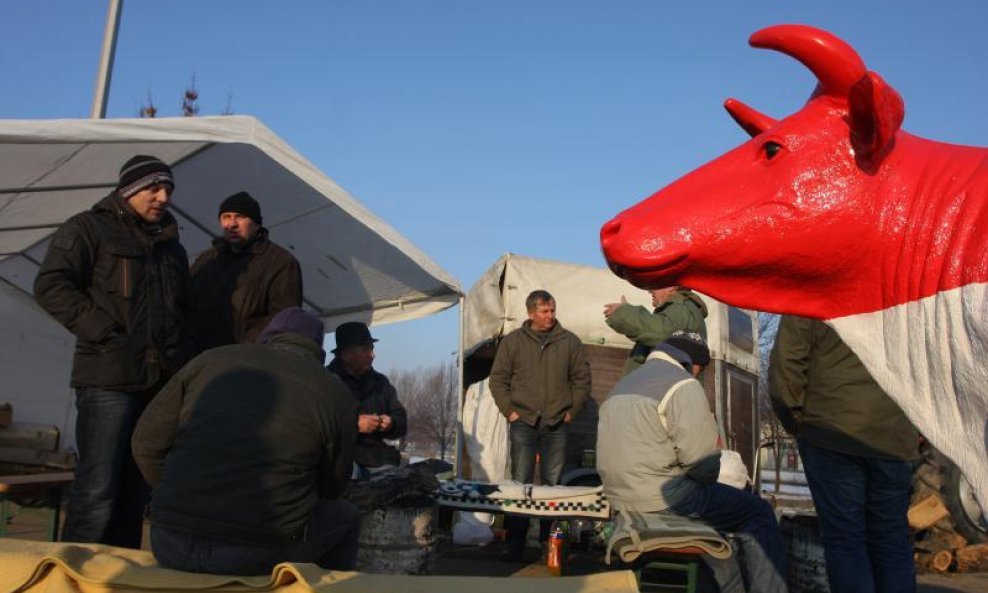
<point x="461" y="393"/>
<point x="106" y="59"/>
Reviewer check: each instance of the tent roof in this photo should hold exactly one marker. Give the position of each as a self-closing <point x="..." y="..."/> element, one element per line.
<point x="354" y="265"/>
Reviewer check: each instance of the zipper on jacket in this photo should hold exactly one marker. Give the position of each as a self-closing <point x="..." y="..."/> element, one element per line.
<point x="125" y="277"/>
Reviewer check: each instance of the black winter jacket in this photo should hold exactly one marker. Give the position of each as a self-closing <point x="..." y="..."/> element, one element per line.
<point x="375" y="395"/>
<point x="242" y="443"/>
<point x="121" y="285"/>
<point x="238" y="292"/>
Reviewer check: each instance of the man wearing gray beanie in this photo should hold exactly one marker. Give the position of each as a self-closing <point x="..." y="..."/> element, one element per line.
<point x="105" y="278"/>
<point x="244" y="279"/>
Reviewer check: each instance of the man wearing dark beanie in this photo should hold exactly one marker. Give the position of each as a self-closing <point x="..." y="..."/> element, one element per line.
<point x="117" y="277"/>
<point x="244" y="279"/>
<point x="248" y="450"/>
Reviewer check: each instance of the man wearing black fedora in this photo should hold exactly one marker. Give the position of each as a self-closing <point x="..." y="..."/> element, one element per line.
<point x="380" y="415"/>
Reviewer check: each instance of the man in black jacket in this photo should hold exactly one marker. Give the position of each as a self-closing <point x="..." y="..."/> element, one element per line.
<point x="117" y="277"/>
<point x="381" y="415"/>
<point x="248" y="449"/>
<point x="244" y="279"/>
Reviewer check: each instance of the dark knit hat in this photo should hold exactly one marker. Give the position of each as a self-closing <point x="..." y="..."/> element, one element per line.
<point x="242" y="203"/>
<point x="352" y="333"/>
<point x="294" y="320"/>
<point x="142" y="171"/>
<point x="693" y="345"/>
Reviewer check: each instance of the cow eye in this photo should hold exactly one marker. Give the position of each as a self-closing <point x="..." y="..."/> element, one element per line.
<point x="771" y="148"/>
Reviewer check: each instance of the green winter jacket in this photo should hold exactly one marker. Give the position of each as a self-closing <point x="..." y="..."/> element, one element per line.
<point x="684" y="311"/>
<point x="823" y="394"/>
<point x="540" y="379"/>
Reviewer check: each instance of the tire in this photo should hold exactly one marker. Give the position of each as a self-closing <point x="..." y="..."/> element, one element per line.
<point x="967" y="516"/>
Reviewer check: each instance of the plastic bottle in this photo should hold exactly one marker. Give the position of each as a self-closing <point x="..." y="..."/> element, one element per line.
<point x="557" y="549"/>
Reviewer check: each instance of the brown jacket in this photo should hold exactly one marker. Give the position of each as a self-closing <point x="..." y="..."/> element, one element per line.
<point x="238" y="292"/>
<point x="540" y="379"/>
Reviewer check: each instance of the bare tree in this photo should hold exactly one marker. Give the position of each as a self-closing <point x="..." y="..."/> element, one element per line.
<point x="148" y="109"/>
<point x="190" y="100"/>
<point x="431" y="406"/>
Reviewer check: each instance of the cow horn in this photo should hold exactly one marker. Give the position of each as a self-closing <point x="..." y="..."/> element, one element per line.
<point x="751" y="121"/>
<point x="835" y="63"/>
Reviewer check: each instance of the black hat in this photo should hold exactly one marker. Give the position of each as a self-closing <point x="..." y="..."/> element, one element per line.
<point x="693" y="345"/>
<point x="294" y="320"/>
<point x="352" y="333"/>
<point x="242" y="203"/>
<point x="142" y="171"/>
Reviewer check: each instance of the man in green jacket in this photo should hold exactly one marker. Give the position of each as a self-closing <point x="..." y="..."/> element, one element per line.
<point x="675" y="309"/>
<point x="857" y="449"/>
<point x="539" y="381"/>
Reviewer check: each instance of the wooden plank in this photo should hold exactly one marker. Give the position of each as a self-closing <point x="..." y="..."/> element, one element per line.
<point x="43" y="437"/>
<point x="25" y="456"/>
<point x="30" y="482"/>
<point x="925" y="513"/>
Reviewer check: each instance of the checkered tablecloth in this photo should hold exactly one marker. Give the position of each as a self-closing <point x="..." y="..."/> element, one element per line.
<point x="555" y="501"/>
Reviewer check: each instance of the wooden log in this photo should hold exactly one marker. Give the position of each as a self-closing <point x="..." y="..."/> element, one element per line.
<point x="941" y="561"/>
<point x="938" y="541"/>
<point x="972" y="558"/>
<point x="925" y="513"/>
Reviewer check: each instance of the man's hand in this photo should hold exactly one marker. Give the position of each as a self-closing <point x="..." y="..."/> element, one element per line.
<point x="610" y="308"/>
<point x="368" y="423"/>
<point x="386" y="423"/>
<point x="567" y="418"/>
<point x="514" y="415"/>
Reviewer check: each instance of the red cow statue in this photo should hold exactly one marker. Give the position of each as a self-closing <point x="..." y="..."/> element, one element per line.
<point x="836" y="213"/>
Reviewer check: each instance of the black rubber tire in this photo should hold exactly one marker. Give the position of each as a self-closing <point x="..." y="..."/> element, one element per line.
<point x="958" y="497"/>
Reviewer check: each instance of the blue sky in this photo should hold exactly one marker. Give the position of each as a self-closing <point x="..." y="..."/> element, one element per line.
<point x="478" y="128"/>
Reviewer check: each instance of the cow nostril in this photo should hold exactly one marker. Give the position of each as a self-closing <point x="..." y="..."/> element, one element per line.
<point x="611" y="227"/>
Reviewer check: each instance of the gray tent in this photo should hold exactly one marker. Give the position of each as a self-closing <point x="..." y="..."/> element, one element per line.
<point x="355" y="266"/>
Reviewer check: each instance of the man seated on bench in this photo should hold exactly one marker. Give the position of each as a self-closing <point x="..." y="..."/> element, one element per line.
<point x="657" y="453"/>
<point x="249" y="448"/>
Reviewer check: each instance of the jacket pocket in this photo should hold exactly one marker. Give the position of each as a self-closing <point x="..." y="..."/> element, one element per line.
<point x="122" y="269"/>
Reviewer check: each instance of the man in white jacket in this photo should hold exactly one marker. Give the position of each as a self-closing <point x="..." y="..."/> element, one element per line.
<point x="657" y="452"/>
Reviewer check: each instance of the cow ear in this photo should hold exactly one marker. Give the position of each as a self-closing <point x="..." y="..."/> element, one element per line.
<point x="876" y="113"/>
<point x="751" y="121"/>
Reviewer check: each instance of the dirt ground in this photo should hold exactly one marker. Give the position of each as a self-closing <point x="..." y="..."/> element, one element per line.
<point x="483" y="560"/>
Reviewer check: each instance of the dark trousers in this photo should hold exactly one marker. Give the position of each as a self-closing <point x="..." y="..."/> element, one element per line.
<point x="330" y="541"/>
<point x="550" y="444"/>
<point x="751" y="518"/>
<point x="106" y="501"/>
<point x="861" y="504"/>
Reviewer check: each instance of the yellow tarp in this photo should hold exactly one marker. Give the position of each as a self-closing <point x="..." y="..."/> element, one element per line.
<point x="31" y="566"/>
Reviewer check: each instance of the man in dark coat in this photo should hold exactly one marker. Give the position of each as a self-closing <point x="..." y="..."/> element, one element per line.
<point x="248" y="449"/>
<point x="244" y="279"/>
<point x="117" y="277"/>
<point x="381" y="415"/>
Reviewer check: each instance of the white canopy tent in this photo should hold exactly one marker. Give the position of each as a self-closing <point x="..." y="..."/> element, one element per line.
<point x="354" y="265"/>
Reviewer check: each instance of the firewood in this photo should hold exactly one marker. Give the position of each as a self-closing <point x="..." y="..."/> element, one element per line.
<point x="972" y="558"/>
<point x="925" y="513"/>
<point x="941" y="561"/>
<point x="938" y="541"/>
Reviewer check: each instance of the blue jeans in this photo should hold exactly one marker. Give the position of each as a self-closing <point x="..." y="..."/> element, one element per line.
<point x="861" y="504"/>
<point x="751" y="518"/>
<point x="106" y="501"/>
<point x="550" y="444"/>
<point x="330" y="541"/>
